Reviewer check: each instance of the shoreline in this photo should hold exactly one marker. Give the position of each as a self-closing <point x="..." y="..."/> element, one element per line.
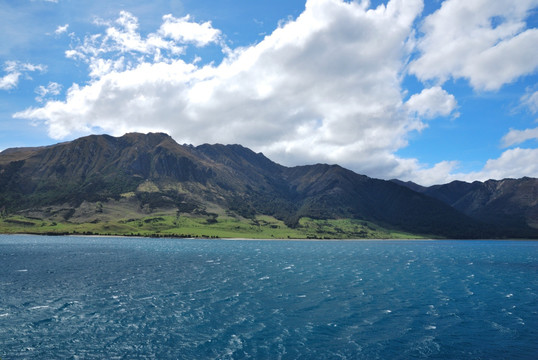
<point x="156" y="237"/>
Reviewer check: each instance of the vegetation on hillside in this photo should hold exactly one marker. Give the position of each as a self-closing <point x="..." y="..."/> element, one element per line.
<point x="108" y="185"/>
<point x="160" y="225"/>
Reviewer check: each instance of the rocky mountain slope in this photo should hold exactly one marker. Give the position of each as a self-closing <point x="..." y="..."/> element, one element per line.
<point x="509" y="203"/>
<point x="146" y="172"/>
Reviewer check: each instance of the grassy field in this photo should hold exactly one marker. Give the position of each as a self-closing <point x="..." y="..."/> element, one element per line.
<point x="166" y="225"/>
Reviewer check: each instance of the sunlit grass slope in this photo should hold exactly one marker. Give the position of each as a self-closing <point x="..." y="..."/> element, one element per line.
<point x="165" y="225"/>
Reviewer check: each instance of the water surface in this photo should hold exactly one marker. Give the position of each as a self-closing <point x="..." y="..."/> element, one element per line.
<point x="129" y="298"/>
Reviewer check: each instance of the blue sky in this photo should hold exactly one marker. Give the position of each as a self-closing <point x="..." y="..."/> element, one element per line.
<point x="429" y="91"/>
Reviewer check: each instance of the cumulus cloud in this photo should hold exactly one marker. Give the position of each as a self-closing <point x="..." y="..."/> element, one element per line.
<point x="14" y="70"/>
<point x="515" y="137"/>
<point x="186" y="31"/>
<point x="440" y="173"/>
<point x="432" y="102"/>
<point x="121" y="47"/>
<point x="513" y="163"/>
<point x="140" y="99"/>
<point x="44" y="92"/>
<point x="61" y="29"/>
<point x="483" y="41"/>
<point x="324" y="87"/>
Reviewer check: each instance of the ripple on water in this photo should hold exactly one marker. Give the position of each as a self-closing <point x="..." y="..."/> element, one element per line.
<point x="168" y="299"/>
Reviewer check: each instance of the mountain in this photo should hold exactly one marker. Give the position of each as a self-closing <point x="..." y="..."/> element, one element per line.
<point x="509" y="203"/>
<point x="141" y="174"/>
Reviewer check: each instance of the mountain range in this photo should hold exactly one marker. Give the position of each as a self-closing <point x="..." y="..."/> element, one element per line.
<point x="141" y="175"/>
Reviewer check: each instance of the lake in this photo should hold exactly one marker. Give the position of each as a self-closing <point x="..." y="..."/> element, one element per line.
<point x="142" y="298"/>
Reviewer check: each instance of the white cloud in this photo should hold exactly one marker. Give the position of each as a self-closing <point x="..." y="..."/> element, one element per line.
<point x="440" y="173"/>
<point x="121" y="47"/>
<point x="9" y="81"/>
<point x="513" y="163"/>
<point x="185" y="31"/>
<point x="483" y="41"/>
<point x="515" y="137"/>
<point x="325" y="87"/>
<point x="61" y="29"/>
<point x="100" y="67"/>
<point x="530" y="100"/>
<point x="122" y="40"/>
<point x="125" y="38"/>
<point x="43" y="92"/>
<point x="432" y="102"/>
<point x="14" y="70"/>
<point x="118" y="102"/>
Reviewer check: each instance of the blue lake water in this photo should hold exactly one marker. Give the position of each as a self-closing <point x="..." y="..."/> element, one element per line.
<point x="131" y="298"/>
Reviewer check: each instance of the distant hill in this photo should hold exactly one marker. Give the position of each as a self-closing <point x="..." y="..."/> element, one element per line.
<point x="151" y="173"/>
<point x="509" y="203"/>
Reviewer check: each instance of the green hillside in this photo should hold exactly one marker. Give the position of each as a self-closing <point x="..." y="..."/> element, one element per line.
<point x="147" y="184"/>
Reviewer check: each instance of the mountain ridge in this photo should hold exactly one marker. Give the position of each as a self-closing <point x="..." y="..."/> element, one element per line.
<point x="512" y="202"/>
<point x="150" y="172"/>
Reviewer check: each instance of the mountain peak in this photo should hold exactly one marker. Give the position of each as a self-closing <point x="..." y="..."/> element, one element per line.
<point x="151" y="136"/>
<point x="152" y="171"/>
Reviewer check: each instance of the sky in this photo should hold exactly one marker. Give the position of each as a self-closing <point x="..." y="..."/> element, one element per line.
<point x="426" y="91"/>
